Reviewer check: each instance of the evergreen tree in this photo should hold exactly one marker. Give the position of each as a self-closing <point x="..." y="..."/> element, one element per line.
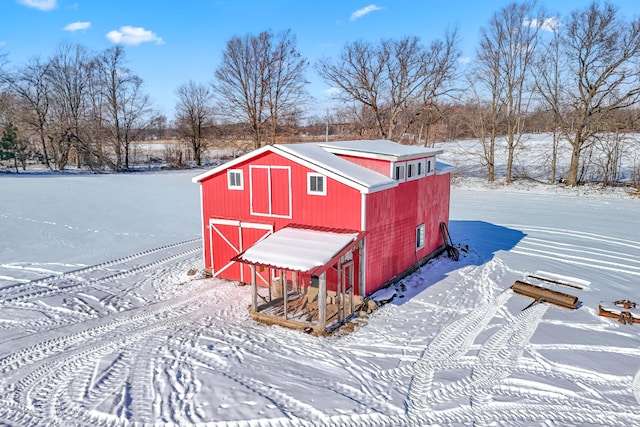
<point x="11" y="147"/>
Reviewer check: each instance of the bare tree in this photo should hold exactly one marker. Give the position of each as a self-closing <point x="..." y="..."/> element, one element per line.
<point x="128" y="108"/>
<point x="69" y="78"/>
<point x="260" y="79"/>
<point x="548" y="82"/>
<point x="505" y="58"/>
<point x="136" y="115"/>
<point x="194" y="116"/>
<point x="599" y="74"/>
<point x="30" y="84"/>
<point x="394" y="79"/>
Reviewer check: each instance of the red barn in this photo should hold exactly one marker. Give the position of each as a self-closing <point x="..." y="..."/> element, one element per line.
<point x="313" y="226"/>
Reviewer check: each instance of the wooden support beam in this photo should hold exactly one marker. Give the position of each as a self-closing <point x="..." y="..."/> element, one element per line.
<point x="254" y="289"/>
<point x="294" y="280"/>
<point x="285" y="292"/>
<point x="322" y="301"/>
<point x="362" y="289"/>
<point x="338" y="289"/>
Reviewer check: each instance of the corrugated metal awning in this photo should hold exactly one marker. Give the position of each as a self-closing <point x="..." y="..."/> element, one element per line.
<point x="297" y="248"/>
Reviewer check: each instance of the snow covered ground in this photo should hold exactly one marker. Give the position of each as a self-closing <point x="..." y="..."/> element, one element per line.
<point x="100" y="324"/>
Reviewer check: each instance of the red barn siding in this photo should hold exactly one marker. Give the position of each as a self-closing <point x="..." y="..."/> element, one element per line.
<point x="274" y="195"/>
<point x="339" y="208"/>
<point x="381" y="166"/>
<point x="392" y="218"/>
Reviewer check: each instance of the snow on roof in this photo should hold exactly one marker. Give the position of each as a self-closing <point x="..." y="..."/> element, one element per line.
<point x="366" y="180"/>
<point x="297" y="249"/>
<point x="382" y="147"/>
<point x="230" y="163"/>
<point x="322" y="158"/>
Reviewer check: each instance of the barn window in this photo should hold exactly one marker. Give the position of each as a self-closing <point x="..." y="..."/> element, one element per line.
<point x="398" y="172"/>
<point x="316" y="184"/>
<point x="420" y="236"/>
<point x="234" y="179"/>
<point x="430" y="168"/>
<point x="415" y="169"/>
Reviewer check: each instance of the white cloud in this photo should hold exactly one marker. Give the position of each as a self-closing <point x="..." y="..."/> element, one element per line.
<point x="464" y="60"/>
<point x="547" y="24"/>
<point x="332" y="91"/>
<point x="39" y="4"/>
<point x="365" y="10"/>
<point x="133" y="36"/>
<point x="77" y="26"/>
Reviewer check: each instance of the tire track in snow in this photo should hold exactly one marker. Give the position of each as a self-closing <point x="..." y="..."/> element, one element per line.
<point x="497" y="358"/>
<point x="288" y="404"/>
<point x="98" y="388"/>
<point x="635" y="351"/>
<point x="52" y="347"/>
<point x="559" y="414"/>
<point x="52" y="389"/>
<point x="181" y="377"/>
<point x="140" y="380"/>
<point x="569" y="373"/>
<point x="52" y="285"/>
<point x="635" y="386"/>
<point x="537" y="245"/>
<point x="451" y="343"/>
<point x="578" y="260"/>
<point x="579" y="234"/>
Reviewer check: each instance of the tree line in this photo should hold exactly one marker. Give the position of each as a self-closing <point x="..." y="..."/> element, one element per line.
<point x="74" y="108"/>
<point x="576" y="77"/>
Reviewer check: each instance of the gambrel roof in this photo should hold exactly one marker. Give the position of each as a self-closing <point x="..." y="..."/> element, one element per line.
<point x="323" y="158"/>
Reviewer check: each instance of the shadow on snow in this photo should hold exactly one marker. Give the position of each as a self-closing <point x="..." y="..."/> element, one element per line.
<point x="477" y="241"/>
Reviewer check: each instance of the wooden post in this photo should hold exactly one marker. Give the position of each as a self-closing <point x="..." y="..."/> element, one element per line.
<point x="351" y="286"/>
<point x="284" y="292"/>
<point x="294" y="279"/>
<point x="362" y="289"/>
<point x="254" y="289"/>
<point x="322" y="301"/>
<point x="339" y="290"/>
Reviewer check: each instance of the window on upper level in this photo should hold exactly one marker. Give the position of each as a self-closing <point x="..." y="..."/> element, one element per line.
<point x="316" y="184"/>
<point x="399" y="172"/>
<point x="430" y="166"/>
<point x="234" y="179"/>
<point x="415" y="169"/>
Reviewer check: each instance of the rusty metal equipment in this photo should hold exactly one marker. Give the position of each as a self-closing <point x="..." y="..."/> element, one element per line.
<point x="539" y="293"/>
<point x="623" y="310"/>
<point x="452" y="251"/>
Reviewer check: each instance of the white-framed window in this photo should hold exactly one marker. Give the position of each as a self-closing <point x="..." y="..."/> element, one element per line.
<point x="415" y="169"/>
<point x="431" y="166"/>
<point x="420" y="237"/>
<point x="234" y="179"/>
<point x="399" y="171"/>
<point x="316" y="184"/>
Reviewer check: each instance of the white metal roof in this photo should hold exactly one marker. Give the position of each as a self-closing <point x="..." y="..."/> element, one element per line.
<point x="381" y="148"/>
<point x="322" y="158"/>
<point x="297" y="249"/>
<point x="367" y="180"/>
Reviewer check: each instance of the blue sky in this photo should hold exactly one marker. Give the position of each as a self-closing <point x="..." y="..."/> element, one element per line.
<point x="169" y="42"/>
